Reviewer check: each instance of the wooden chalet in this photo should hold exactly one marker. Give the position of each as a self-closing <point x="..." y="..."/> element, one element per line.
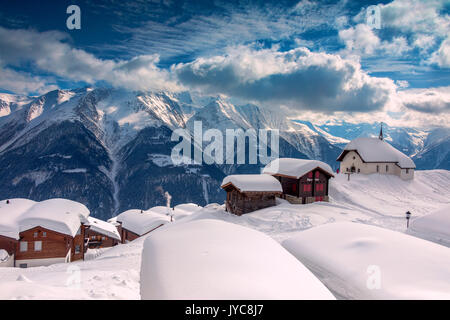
<point x="43" y="233"/>
<point x="303" y="181"/>
<point x="101" y="234"/>
<point x="246" y="193"/>
<point x="135" y="223"/>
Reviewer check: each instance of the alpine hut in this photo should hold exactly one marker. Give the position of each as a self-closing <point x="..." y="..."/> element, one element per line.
<point x="250" y="192"/>
<point x="303" y="181"/>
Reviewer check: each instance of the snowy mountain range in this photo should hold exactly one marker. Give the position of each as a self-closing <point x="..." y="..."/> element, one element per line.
<point x="110" y="148"/>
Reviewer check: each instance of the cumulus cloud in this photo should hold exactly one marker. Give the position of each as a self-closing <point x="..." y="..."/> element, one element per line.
<point x="432" y="100"/>
<point x="23" y="83"/>
<point x="51" y="52"/>
<point x="362" y="40"/>
<point x="422" y="25"/>
<point x="298" y="78"/>
<point x="442" y="56"/>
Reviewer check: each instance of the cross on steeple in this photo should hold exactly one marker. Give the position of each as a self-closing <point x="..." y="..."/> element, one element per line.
<point x="381" y="132"/>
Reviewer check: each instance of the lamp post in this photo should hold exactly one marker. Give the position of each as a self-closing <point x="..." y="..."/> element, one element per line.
<point x="408" y="216"/>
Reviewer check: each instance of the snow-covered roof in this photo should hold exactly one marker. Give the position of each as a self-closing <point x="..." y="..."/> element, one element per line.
<point x="361" y="261"/>
<point x="212" y="259"/>
<point x="253" y="182"/>
<point x="103" y="227"/>
<point x="60" y="215"/>
<point x="295" y="167"/>
<point x="10" y="213"/>
<point x="434" y="226"/>
<point x="376" y="150"/>
<point x="141" y="222"/>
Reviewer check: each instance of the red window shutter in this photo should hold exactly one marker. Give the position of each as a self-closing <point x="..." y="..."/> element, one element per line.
<point x="317" y="174"/>
<point x="310" y="174"/>
<point x="294" y="187"/>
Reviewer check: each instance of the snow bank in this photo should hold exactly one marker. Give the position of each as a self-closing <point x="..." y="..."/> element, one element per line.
<point x="185" y="209"/>
<point x="106" y="228"/>
<point x="376" y="150"/>
<point x="210" y="259"/>
<point x="367" y="262"/>
<point x="253" y="182"/>
<point x="295" y="167"/>
<point x="140" y="222"/>
<point x="434" y="226"/>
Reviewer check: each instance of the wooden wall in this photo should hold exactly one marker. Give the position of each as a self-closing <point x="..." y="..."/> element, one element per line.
<point x="99" y="240"/>
<point x="312" y="185"/>
<point x="240" y="203"/>
<point x="54" y="244"/>
<point x="8" y="244"/>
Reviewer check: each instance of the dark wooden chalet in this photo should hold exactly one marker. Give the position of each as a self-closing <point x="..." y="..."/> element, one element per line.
<point x="303" y="181"/>
<point x="247" y="193"/>
<point x="134" y="223"/>
<point x="101" y="234"/>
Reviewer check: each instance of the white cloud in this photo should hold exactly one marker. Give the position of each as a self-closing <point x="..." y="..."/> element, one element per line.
<point x="50" y="52"/>
<point x="299" y="79"/>
<point x="442" y="56"/>
<point x="23" y="83"/>
<point x="411" y="24"/>
<point x="431" y="100"/>
<point x="360" y="39"/>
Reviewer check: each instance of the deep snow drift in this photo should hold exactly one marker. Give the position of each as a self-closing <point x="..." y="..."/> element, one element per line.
<point x="434" y="226"/>
<point x="212" y="259"/>
<point x="375" y="200"/>
<point x="360" y="261"/>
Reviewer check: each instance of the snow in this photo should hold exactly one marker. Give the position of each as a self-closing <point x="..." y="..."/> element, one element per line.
<point x="141" y="222"/>
<point x="295" y="167"/>
<point x="103" y="227"/>
<point x="9" y="215"/>
<point x="222" y="261"/>
<point x="112" y="275"/>
<point x="60" y="215"/>
<point x="186" y="209"/>
<point x="77" y="170"/>
<point x="253" y="182"/>
<point x="376" y="150"/>
<point x="3" y="255"/>
<point x="367" y="262"/>
<point x="373" y="200"/>
<point x="434" y="226"/>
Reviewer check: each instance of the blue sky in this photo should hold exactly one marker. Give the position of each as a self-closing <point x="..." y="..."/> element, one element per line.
<point x="311" y="58"/>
